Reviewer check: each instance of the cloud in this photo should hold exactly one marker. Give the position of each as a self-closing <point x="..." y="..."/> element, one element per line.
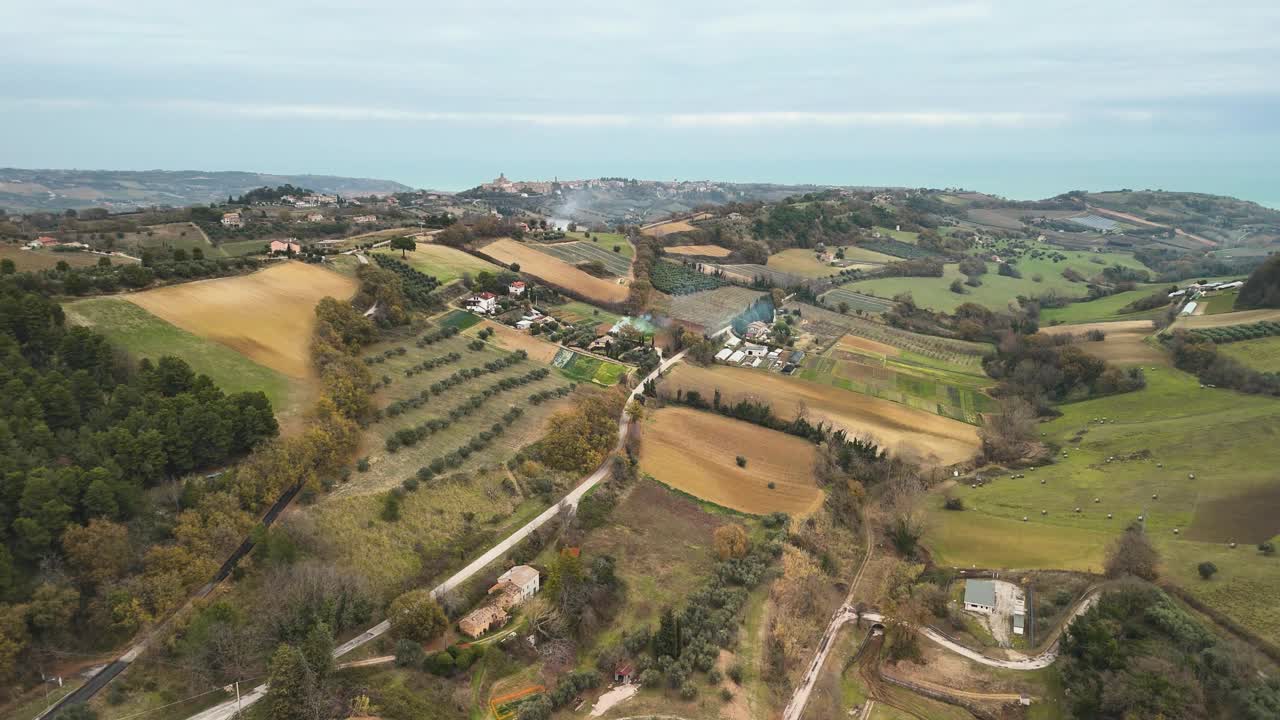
<point x="730" y="119"/>
<point x="696" y="120"/>
<point x="826" y="21"/>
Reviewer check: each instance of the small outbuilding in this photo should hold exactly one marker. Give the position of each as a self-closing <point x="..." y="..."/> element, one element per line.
<point x="980" y="596"/>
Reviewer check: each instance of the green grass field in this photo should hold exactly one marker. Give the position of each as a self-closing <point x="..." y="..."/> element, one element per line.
<point x="996" y="291"/>
<point x="1227" y="439"/>
<point x="606" y="240"/>
<point x="145" y="335"/>
<point x="442" y="262"/>
<point x="1220" y="303"/>
<point x="170" y="236"/>
<point x="576" y="311"/>
<point x="586" y="369"/>
<point x="1262" y="354"/>
<point x="1102" y="309"/>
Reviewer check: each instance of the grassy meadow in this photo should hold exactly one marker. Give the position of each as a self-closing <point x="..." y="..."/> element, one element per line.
<point x="442" y="262"/>
<point x="1262" y="354"/>
<point x="1155" y="439"/>
<point x="606" y="240"/>
<point x="996" y="290"/>
<point x="1103" y="309"/>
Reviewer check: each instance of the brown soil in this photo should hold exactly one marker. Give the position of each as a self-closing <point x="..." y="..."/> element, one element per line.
<point x="902" y="429"/>
<point x="554" y="270"/>
<point x="269" y="316"/>
<point x="695" y="451"/>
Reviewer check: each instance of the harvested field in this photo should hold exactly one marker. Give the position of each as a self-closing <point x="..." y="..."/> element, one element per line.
<point x="554" y="270"/>
<point x="696" y="452"/>
<point x="667" y="228"/>
<point x="713" y="309"/>
<point x="144" y="335"/>
<point x="866" y="255"/>
<point x="901" y="429"/>
<point x="853" y="342"/>
<point x="575" y="253"/>
<point x="1221" y="319"/>
<point x="442" y="262"/>
<point x="699" y="250"/>
<point x="1125" y="342"/>
<point x="510" y="339"/>
<point x="268" y="316"/>
<point x="801" y="262"/>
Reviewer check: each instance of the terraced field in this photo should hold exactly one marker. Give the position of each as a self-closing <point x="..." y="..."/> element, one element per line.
<point x="855" y="300"/>
<point x="883" y="371"/>
<point x="575" y="253"/>
<point x="752" y="273"/>
<point x="828" y="326"/>
<point x="403" y="406"/>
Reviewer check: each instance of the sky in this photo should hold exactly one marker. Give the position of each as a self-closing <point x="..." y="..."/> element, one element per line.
<point x="1022" y="98"/>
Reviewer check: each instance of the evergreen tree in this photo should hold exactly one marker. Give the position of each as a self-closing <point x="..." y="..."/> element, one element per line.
<point x="291" y="693"/>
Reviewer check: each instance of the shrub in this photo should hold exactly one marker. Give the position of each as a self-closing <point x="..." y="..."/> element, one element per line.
<point x="1206" y="570"/>
<point x="688" y="690"/>
<point x="953" y="503"/>
<point x="742" y="461"/>
<point x="391" y="507"/>
<point x="362" y="464"/>
<point x="409" y="653"/>
<point x="726" y="694"/>
<point x="1267" y="548"/>
<point x="735" y="673"/>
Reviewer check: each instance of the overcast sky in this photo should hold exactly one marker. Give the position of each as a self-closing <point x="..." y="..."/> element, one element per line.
<point x="1016" y="97"/>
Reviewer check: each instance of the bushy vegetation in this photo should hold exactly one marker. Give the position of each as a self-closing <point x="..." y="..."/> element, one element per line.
<point x="1236" y="333"/>
<point x="676" y="279"/>
<point x="892" y="247"/>
<point x="1195" y="353"/>
<point x="175" y="265"/>
<point x="435" y="336"/>
<point x="1044" y="369"/>
<point x="1138" y="654"/>
<point x="1262" y="289"/>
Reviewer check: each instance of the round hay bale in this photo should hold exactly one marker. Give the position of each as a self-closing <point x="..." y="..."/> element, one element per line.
<point x="1154" y="496"/>
<point x="1175" y="531"/>
<point x="1044" y="512"/>
<point x="1108" y="516"/>
<point x="1024" y="518"/>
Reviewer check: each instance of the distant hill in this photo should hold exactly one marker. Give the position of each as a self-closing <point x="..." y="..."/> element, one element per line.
<point x="119" y="190"/>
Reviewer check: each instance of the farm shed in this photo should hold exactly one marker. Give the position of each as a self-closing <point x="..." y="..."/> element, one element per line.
<point x="1019" y="623"/>
<point x="980" y="596"/>
<point x="753" y="350"/>
<point x="723" y="354"/>
<point x="737" y="356"/>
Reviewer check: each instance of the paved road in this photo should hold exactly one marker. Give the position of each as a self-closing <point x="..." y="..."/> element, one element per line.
<point x="227" y="710"/>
